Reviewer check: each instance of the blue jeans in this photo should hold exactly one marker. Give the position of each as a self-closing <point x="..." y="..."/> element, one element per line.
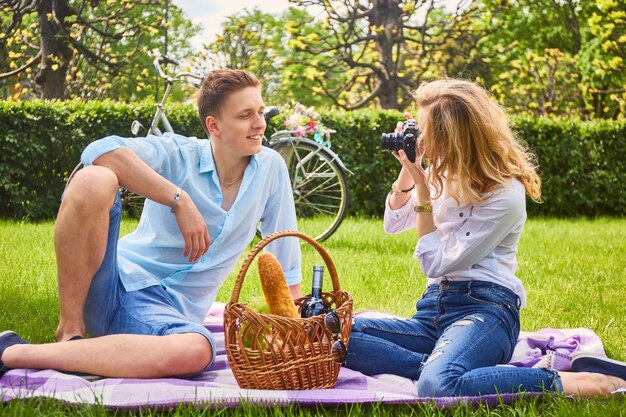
<point x="110" y="309"/>
<point x="452" y="344"/>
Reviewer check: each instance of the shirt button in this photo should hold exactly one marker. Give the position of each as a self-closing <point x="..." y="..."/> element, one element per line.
<point x="461" y="214"/>
<point x="467" y="234"/>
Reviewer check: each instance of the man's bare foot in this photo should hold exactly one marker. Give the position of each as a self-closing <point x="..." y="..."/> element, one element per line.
<point x="65" y="333"/>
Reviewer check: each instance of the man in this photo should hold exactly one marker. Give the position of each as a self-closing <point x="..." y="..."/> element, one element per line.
<point x="143" y="301"/>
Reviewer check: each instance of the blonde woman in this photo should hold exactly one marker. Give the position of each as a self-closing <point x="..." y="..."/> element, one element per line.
<point x="469" y="207"/>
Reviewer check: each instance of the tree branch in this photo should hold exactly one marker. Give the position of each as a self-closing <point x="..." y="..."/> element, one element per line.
<point x="613" y="91"/>
<point x="23" y="67"/>
<point x="367" y="99"/>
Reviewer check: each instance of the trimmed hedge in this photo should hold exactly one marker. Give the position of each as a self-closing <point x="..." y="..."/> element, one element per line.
<point x="41" y="143"/>
<point x="582" y="163"/>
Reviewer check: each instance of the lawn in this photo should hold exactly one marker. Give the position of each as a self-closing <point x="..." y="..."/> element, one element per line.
<point x="573" y="271"/>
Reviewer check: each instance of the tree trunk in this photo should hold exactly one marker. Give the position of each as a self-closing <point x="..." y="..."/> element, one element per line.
<point x="388" y="96"/>
<point x="55" y="52"/>
<point x="388" y="15"/>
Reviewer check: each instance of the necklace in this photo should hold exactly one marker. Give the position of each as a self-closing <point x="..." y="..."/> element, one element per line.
<point x="229" y="183"/>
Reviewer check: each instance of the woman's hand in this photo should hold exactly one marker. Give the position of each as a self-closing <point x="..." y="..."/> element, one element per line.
<point x="424" y="220"/>
<point x="414" y="169"/>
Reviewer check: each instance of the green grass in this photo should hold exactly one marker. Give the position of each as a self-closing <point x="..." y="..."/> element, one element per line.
<point x="573" y="271"/>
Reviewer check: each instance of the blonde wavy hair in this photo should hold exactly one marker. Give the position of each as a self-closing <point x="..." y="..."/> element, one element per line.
<point x="470" y="148"/>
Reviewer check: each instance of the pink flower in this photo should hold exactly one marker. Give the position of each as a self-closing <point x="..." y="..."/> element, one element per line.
<point x="300" y="132"/>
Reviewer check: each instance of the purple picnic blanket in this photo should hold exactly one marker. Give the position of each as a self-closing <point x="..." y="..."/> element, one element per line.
<point x="217" y="387"/>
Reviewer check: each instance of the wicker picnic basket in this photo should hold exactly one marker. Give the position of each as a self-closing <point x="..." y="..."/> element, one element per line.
<point x="267" y="351"/>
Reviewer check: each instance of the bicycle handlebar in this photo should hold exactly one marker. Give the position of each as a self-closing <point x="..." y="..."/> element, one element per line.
<point x="163" y="59"/>
<point x="167" y="60"/>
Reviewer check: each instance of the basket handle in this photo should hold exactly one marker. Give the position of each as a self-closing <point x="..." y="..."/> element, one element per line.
<point x="234" y="298"/>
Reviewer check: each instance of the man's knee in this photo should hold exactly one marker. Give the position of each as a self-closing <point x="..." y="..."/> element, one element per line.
<point x="191" y="353"/>
<point x="93" y="187"/>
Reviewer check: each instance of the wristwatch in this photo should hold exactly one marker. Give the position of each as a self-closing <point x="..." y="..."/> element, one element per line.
<point x="419" y="208"/>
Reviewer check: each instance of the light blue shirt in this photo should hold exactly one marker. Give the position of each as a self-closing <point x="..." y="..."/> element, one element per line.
<point x="153" y="254"/>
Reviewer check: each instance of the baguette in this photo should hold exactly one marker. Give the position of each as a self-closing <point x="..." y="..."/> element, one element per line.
<point x="275" y="287"/>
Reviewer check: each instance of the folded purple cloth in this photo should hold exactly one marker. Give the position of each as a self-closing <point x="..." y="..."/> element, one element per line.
<point x="218" y="387"/>
<point x="554" y="348"/>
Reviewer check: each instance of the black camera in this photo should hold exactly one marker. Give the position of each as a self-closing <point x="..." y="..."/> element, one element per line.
<point x="407" y="140"/>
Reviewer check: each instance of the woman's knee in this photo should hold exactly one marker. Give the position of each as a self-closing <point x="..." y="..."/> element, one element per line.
<point x="357" y="326"/>
<point x="434" y="381"/>
<point x="428" y="387"/>
<point x="91" y="187"/>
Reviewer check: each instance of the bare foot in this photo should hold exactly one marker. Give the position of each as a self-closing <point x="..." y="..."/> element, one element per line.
<point x="65" y="333"/>
<point x="588" y="384"/>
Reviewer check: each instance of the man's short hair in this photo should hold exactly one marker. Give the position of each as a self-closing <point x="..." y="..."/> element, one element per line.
<point x="217" y="86"/>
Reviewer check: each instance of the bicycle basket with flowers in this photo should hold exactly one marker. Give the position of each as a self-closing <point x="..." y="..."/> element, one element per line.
<point x="305" y="121"/>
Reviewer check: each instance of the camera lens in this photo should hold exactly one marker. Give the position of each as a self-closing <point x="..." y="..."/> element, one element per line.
<point x="407" y="140"/>
<point x="391" y="141"/>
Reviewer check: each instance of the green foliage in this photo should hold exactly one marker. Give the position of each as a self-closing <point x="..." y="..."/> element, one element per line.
<point x="347" y="53"/>
<point x="581" y="163"/>
<point x="268" y="45"/>
<point x="357" y="142"/>
<point x="378" y="52"/>
<point x="543" y="83"/>
<point x="556" y="58"/>
<point x="538" y="57"/>
<point x="94" y="49"/>
<point x="250" y="40"/>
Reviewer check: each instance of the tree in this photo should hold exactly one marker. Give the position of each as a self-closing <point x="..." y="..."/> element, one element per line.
<point x="264" y="44"/>
<point x="250" y="40"/>
<point x="603" y="60"/>
<point x="379" y="51"/>
<point x="85" y="48"/>
<point x="557" y="57"/>
<point x="540" y="84"/>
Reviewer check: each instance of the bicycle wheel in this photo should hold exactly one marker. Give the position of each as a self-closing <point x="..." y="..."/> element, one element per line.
<point x="132" y="203"/>
<point x="320" y="189"/>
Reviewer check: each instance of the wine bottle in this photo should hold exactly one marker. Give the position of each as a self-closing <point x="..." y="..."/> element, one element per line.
<point x="315" y="304"/>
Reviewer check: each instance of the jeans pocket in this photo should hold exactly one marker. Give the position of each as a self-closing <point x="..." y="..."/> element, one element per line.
<point x="484" y="297"/>
<point x="494" y="296"/>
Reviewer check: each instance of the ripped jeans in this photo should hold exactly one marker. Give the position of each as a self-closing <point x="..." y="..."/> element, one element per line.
<point x="451" y="346"/>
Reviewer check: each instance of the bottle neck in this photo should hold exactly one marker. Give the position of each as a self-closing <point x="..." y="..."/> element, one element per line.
<point x="318" y="279"/>
<point x="316" y="293"/>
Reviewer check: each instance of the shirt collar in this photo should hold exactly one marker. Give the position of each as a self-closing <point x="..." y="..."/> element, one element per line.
<point x="207" y="162"/>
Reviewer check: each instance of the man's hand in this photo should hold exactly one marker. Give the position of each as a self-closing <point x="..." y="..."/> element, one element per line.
<point x="135" y="175"/>
<point x="193" y="228"/>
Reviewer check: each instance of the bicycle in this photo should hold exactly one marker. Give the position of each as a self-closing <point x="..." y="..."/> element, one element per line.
<point x="318" y="180"/>
<point x="318" y="175"/>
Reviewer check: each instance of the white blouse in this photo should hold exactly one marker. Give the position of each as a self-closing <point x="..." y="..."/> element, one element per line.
<point x="477" y="242"/>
